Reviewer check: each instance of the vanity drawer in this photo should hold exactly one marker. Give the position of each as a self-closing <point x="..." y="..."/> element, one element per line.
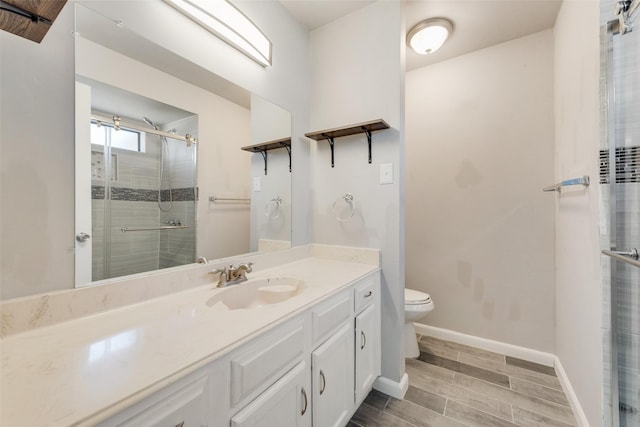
<point x="178" y="405"/>
<point x="366" y="292"/>
<point x="263" y="362"/>
<point x="330" y="315"/>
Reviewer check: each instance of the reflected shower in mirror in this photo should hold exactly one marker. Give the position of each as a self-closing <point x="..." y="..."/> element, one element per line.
<point x="145" y="204"/>
<point x="142" y="184"/>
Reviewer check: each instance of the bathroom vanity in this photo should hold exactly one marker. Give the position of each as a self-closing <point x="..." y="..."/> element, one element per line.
<point x="305" y="353"/>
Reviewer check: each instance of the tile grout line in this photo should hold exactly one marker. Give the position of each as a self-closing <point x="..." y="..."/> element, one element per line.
<point x="473" y="367"/>
<point x="491" y="397"/>
<point x="486" y="413"/>
<point x="540" y="397"/>
<point x="523" y="394"/>
<point x="389" y="414"/>
<point x="575" y="424"/>
<point x="386" y="403"/>
<point x="460" y="349"/>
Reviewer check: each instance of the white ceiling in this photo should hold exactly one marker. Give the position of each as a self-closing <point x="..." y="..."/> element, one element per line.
<point x="477" y="23"/>
<point x="316" y="13"/>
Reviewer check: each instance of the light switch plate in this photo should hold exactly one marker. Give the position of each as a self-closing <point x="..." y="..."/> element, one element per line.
<point x="256" y="183"/>
<point x="386" y="173"/>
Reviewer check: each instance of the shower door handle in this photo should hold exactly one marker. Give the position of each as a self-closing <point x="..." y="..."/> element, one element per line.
<point x="82" y="237"/>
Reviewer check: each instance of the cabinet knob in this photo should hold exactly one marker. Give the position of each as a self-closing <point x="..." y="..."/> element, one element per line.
<point x="323" y="384"/>
<point x="304" y="397"/>
<point x="363" y="340"/>
<point x="180" y="424"/>
<point x="368" y="294"/>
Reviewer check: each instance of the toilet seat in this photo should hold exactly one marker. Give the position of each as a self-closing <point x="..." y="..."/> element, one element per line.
<point x="413" y="297"/>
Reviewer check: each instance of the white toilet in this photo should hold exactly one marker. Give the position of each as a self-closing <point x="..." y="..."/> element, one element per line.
<point x="416" y="305"/>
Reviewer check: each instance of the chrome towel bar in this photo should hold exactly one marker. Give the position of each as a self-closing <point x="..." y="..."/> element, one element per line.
<point x="629" y="257"/>
<point x="227" y="199"/>
<point x="575" y="181"/>
<point x="164" y="227"/>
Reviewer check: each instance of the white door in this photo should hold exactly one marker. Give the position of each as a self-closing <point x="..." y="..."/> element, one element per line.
<point x="332" y="379"/>
<point x="367" y="351"/>
<point x="286" y="403"/>
<point x="83" y="186"/>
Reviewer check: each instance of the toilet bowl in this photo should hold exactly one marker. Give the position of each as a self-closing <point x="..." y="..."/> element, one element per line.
<point x="416" y="305"/>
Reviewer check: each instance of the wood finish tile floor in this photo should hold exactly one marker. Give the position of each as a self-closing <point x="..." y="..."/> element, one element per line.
<point x="453" y="385"/>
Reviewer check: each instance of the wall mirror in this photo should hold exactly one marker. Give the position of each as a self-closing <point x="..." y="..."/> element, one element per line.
<point x="161" y="176"/>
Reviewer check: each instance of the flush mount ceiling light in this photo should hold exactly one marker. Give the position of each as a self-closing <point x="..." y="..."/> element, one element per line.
<point x="428" y="36"/>
<point x="225" y="21"/>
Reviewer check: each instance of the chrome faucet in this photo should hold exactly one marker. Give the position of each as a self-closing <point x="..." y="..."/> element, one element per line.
<point x="232" y="276"/>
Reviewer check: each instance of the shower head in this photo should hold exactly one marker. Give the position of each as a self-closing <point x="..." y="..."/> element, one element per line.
<point x="150" y="123"/>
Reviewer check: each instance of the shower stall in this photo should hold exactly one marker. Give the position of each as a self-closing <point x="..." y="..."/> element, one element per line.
<point x="620" y="176"/>
<point x="143" y="195"/>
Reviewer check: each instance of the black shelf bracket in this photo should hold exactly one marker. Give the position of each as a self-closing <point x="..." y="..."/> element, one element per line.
<point x="264" y="156"/>
<point x="288" y="148"/>
<point x="331" y="143"/>
<point x="263" y="147"/>
<point x="368" y="132"/>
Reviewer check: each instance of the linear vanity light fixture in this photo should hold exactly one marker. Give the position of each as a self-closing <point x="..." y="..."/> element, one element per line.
<point x="225" y="21"/>
<point x="428" y="36"/>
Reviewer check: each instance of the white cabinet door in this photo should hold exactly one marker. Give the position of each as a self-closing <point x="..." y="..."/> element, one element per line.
<point x="332" y="379"/>
<point x="286" y="403"/>
<point x="367" y="351"/>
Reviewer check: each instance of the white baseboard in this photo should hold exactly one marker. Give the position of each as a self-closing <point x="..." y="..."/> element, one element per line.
<point x="392" y="388"/>
<point x="524" y="353"/>
<point x="581" y="417"/>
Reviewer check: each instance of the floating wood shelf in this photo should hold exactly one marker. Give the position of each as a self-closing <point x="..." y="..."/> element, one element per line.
<point x="263" y="147"/>
<point x="30" y="19"/>
<point x="366" y="128"/>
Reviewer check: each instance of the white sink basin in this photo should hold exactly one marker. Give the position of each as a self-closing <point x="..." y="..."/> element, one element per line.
<point x="257" y="293"/>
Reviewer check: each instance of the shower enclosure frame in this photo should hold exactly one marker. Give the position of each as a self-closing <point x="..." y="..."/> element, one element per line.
<point x="616" y="27"/>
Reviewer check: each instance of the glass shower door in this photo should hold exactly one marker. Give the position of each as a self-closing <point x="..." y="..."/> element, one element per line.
<point x="621" y="170"/>
<point x="149" y="211"/>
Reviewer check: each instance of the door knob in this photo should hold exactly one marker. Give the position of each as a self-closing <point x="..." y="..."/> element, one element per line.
<point x="82" y="237"/>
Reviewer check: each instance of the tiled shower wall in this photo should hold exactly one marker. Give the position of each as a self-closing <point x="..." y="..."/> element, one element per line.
<point x="133" y="203"/>
<point x="626" y="72"/>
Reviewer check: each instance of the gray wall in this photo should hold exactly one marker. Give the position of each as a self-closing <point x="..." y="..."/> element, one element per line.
<point x="358" y="75"/>
<point x="480" y="231"/>
<point x="37" y="143"/>
<point x="577" y="214"/>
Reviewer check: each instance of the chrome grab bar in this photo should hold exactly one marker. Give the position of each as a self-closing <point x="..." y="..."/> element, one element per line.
<point x="227" y="199"/>
<point x="575" y="181"/>
<point x="164" y="227"/>
<point x="630" y="257"/>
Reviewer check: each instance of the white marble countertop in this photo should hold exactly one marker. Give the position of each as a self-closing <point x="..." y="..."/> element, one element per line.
<point x="84" y="370"/>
